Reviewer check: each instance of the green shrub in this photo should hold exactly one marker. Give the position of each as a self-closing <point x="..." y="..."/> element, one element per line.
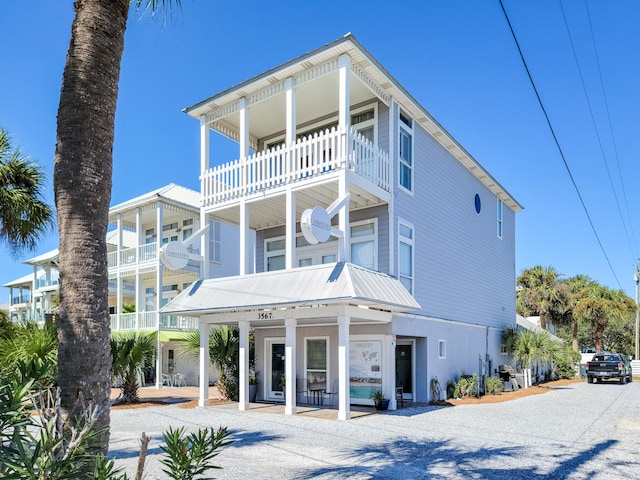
<point x="493" y="386"/>
<point x="467" y="386"/>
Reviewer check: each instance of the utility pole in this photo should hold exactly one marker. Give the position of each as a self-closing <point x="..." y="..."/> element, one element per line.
<point x="636" y="277"/>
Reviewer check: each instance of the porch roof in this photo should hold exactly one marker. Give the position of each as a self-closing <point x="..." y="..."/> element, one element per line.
<point x="330" y="284"/>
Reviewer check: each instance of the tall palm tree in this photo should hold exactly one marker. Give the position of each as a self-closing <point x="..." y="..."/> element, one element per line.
<point x="82" y="184"/>
<point x="133" y="355"/>
<point x="24" y="216"/>
<point x="574" y="288"/>
<point x="598" y="305"/>
<point x="538" y="293"/>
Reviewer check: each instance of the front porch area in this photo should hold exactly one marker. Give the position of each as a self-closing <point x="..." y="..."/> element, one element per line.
<point x="332" y="299"/>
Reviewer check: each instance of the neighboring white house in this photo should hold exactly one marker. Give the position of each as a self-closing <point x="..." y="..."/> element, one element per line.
<point x="140" y="281"/>
<point x="384" y="253"/>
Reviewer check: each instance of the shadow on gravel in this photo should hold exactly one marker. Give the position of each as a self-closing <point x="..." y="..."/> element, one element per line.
<point x="250" y="438"/>
<point x="442" y="460"/>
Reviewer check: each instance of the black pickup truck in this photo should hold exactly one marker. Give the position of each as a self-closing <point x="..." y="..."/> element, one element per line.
<point x="609" y="365"/>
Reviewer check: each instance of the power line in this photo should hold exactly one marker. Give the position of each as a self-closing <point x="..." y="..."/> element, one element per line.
<point x="595" y="127"/>
<point x="613" y="137"/>
<point x="555" y="139"/>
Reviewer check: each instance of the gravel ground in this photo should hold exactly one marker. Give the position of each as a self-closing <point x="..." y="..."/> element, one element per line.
<point x="580" y="431"/>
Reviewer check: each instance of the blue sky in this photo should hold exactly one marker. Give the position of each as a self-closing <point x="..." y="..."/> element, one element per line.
<point x="457" y="58"/>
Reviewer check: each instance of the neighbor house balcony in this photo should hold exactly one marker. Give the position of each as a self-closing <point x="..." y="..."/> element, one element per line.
<point x="308" y="158"/>
<point x="149" y="321"/>
<point x="146" y="253"/>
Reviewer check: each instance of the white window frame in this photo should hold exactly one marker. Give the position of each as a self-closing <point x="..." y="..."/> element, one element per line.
<point x="412" y="243"/>
<point x="274" y="253"/>
<point x="215" y="241"/>
<point x="327" y="353"/>
<point x="408" y="130"/>
<point x="317" y="252"/>
<point x="367" y="123"/>
<point x="442" y="349"/>
<point x="499" y="217"/>
<point x="373" y="236"/>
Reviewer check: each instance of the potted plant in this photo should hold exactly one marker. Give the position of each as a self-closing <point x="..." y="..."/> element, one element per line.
<point x="253" y="384"/>
<point x="379" y="401"/>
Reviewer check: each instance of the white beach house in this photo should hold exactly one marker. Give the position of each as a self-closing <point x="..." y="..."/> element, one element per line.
<point x="384" y="253"/>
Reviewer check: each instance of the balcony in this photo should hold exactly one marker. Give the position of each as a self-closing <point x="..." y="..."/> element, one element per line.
<point x="313" y="156"/>
<point x="128" y="255"/>
<point x="149" y="321"/>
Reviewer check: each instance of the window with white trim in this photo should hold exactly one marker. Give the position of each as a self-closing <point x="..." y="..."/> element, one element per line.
<point x="442" y="349"/>
<point x="275" y="254"/>
<point x="499" y="217"/>
<point x="316" y="358"/>
<point x="363" y="244"/>
<point x="406" y="243"/>
<point x="405" y="154"/>
<point x="215" y="243"/>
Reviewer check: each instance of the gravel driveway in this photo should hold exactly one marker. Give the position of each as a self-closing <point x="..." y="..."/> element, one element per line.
<point x="580" y="431"/>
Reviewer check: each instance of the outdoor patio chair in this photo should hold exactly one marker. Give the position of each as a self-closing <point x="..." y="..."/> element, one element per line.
<point x="167" y="380"/>
<point x="333" y="394"/>
<point x="179" y="380"/>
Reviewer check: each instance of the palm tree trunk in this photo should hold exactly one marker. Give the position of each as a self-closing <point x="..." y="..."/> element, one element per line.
<point x="82" y="184"/>
<point x="574" y="334"/>
<point x="543" y="320"/>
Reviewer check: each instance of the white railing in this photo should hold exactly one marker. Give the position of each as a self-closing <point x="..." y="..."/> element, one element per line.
<point x="149" y="321"/>
<point x="147" y="252"/>
<point x="128" y="255"/>
<point x="112" y="259"/>
<point x="308" y="156"/>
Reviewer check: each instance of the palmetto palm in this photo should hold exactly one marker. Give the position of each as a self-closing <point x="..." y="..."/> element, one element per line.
<point x="598" y="305"/>
<point x="224" y="348"/>
<point x="133" y="355"/>
<point x="24" y="216"/>
<point x="82" y="184"/>
<point x="538" y="293"/>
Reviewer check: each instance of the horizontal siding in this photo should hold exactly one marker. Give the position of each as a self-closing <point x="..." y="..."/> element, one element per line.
<point x="463" y="271"/>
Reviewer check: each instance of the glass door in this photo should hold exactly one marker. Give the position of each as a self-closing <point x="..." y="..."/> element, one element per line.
<point x="275" y="369"/>
<point x="404" y="369"/>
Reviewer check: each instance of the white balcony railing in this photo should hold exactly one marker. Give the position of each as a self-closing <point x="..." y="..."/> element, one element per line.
<point x="149" y="321"/>
<point x="309" y="156"/>
<point x="128" y="255"/>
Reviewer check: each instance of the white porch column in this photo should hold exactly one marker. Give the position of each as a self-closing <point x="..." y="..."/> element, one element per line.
<point x="290" y="93"/>
<point x="34" y="286"/>
<point x="119" y="262"/>
<point x="243" y="396"/>
<point x="344" y="117"/>
<point x="158" y="288"/>
<point x="243" y="110"/>
<point x="343" y="221"/>
<point x="205" y="267"/>
<point x="389" y="371"/>
<point x="290" y="235"/>
<point x="244" y="244"/>
<point x="203" y="398"/>
<point x="205" y="145"/>
<point x="138" y="284"/>
<point x="205" y="159"/>
<point x="344" y="395"/>
<point x="159" y="362"/>
<point x="290" y="365"/>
